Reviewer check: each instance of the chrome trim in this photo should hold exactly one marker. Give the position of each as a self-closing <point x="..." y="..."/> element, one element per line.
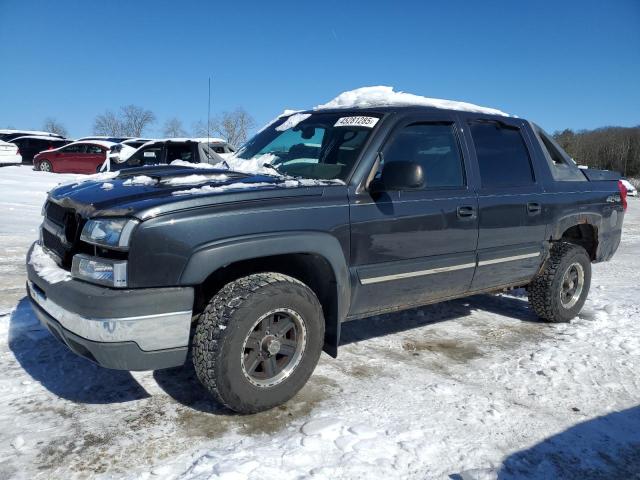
<point x="150" y="332"/>
<point x="418" y="273"/>
<point x="508" y="259"/>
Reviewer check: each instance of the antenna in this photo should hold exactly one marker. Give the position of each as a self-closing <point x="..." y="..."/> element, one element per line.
<point x="209" y="113"/>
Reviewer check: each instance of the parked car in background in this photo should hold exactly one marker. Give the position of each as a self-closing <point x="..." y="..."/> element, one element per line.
<point x="104" y="138"/>
<point x="31" y="145"/>
<point x="168" y="150"/>
<point x="123" y="150"/>
<point x="76" y="157"/>
<point x="7" y="135"/>
<point x="9" y="154"/>
<point x="631" y="190"/>
<point x="219" y="145"/>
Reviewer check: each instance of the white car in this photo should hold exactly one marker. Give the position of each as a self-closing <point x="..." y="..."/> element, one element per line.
<point x="9" y="154"/>
<point x="631" y="190"/>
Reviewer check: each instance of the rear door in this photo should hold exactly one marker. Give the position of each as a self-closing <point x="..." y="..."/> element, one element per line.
<point x="510" y="200"/>
<point x="93" y="158"/>
<point x="412" y="247"/>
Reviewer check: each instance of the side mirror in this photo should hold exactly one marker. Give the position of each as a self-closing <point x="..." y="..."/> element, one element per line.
<point x="401" y="176"/>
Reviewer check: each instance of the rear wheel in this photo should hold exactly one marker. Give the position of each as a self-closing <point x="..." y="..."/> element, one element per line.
<point x="45" y="166"/>
<point x="258" y="341"/>
<point x="559" y="291"/>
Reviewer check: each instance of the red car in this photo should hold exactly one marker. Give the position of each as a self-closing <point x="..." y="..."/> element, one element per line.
<point x="76" y="157"/>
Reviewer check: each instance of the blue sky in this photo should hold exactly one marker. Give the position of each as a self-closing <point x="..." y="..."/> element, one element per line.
<point x="563" y="64"/>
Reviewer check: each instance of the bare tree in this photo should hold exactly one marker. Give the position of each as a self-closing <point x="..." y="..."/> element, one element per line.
<point x="135" y="119"/>
<point x="234" y="126"/>
<point x="199" y="129"/>
<point x="173" y="128"/>
<point x="130" y="122"/>
<point x="109" y="124"/>
<point x="52" y="125"/>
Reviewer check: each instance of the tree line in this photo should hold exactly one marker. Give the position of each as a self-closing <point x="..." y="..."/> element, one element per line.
<point x="606" y="148"/>
<point x="135" y="121"/>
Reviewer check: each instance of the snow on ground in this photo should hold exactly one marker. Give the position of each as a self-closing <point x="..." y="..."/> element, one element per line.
<point x="468" y="389"/>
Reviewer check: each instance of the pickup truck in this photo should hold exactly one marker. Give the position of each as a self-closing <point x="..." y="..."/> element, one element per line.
<point x="324" y="216"/>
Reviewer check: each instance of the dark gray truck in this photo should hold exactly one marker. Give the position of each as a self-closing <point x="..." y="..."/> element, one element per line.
<point x="347" y="213"/>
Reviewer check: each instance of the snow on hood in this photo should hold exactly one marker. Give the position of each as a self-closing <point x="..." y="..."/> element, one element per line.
<point x="140" y="180"/>
<point x="382" y="96"/>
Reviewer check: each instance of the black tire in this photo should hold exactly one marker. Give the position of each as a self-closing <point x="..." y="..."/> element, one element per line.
<point x="548" y="292"/>
<point x="45" y="166"/>
<point x="222" y="336"/>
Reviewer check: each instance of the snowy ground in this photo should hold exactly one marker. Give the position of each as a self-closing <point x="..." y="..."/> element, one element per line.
<point x="468" y="389"/>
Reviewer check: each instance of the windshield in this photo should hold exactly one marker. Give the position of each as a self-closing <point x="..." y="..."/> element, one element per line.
<point x="321" y="146"/>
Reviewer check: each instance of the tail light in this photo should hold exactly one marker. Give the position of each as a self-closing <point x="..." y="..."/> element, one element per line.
<point x="623" y="194"/>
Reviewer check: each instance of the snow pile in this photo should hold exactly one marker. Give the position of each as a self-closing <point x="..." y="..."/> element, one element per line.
<point x="46" y="267"/>
<point x="194" y="179"/>
<point x="222" y="188"/>
<point x="184" y="163"/>
<point x="385" y="96"/>
<point x="292" y="121"/>
<point x="140" y="180"/>
<point x="254" y="165"/>
<point x="106" y="186"/>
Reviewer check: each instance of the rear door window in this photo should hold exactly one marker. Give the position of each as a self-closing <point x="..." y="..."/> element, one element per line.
<point x="502" y="155"/>
<point x="179" y="151"/>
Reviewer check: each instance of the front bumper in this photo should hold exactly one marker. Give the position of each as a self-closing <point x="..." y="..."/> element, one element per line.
<point x="134" y="329"/>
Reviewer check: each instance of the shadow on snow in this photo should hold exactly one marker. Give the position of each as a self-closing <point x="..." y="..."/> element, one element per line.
<point x="602" y="448"/>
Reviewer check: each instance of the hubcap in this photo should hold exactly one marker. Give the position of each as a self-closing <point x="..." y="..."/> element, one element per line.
<point x="572" y="285"/>
<point x="273" y="347"/>
<point x="44" y="166"/>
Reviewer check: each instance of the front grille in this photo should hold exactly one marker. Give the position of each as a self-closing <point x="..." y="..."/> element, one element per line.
<point x="63" y="241"/>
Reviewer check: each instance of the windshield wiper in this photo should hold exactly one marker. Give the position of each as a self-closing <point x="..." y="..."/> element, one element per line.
<point x="273" y="167"/>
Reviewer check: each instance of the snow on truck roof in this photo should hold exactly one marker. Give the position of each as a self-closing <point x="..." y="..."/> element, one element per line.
<point x="382" y="96"/>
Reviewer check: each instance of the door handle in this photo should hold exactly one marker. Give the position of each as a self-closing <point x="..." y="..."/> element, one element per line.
<point x="466" y="211"/>
<point x="534" y="208"/>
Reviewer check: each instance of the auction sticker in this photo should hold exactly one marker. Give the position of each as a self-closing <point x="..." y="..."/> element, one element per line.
<point x="368" y="122"/>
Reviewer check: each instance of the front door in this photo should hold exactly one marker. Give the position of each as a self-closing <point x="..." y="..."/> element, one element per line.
<point x="511" y="204"/>
<point x="412" y="247"/>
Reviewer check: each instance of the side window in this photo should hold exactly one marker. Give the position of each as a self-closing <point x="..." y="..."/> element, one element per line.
<point x="435" y="147"/>
<point x="560" y="164"/>
<point x="179" y="151"/>
<point x="78" y="148"/>
<point x="147" y="156"/>
<point x="502" y="155"/>
<point x="94" y="149"/>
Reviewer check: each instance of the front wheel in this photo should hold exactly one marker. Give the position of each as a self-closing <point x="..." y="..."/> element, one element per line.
<point x="558" y="292"/>
<point x="258" y="341"/>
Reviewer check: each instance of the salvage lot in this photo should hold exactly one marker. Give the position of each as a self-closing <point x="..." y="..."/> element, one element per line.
<point x="475" y="387"/>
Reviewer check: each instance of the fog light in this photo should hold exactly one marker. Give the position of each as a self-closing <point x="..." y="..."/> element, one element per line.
<point x="112" y="273"/>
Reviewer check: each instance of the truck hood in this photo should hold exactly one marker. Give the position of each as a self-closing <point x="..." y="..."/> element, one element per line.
<point x="149" y="191"/>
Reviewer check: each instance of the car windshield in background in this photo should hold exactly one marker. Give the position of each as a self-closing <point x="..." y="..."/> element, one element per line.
<point x="322" y="146"/>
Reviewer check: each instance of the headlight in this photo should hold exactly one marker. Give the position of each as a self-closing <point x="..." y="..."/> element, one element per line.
<point x="112" y="273"/>
<point x="109" y="232"/>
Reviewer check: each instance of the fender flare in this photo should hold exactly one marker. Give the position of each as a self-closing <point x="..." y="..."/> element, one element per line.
<point x="212" y="256"/>
<point x="562" y="224"/>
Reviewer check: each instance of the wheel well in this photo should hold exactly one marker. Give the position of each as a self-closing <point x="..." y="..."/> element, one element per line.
<point x="313" y="270"/>
<point x="584" y="235"/>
